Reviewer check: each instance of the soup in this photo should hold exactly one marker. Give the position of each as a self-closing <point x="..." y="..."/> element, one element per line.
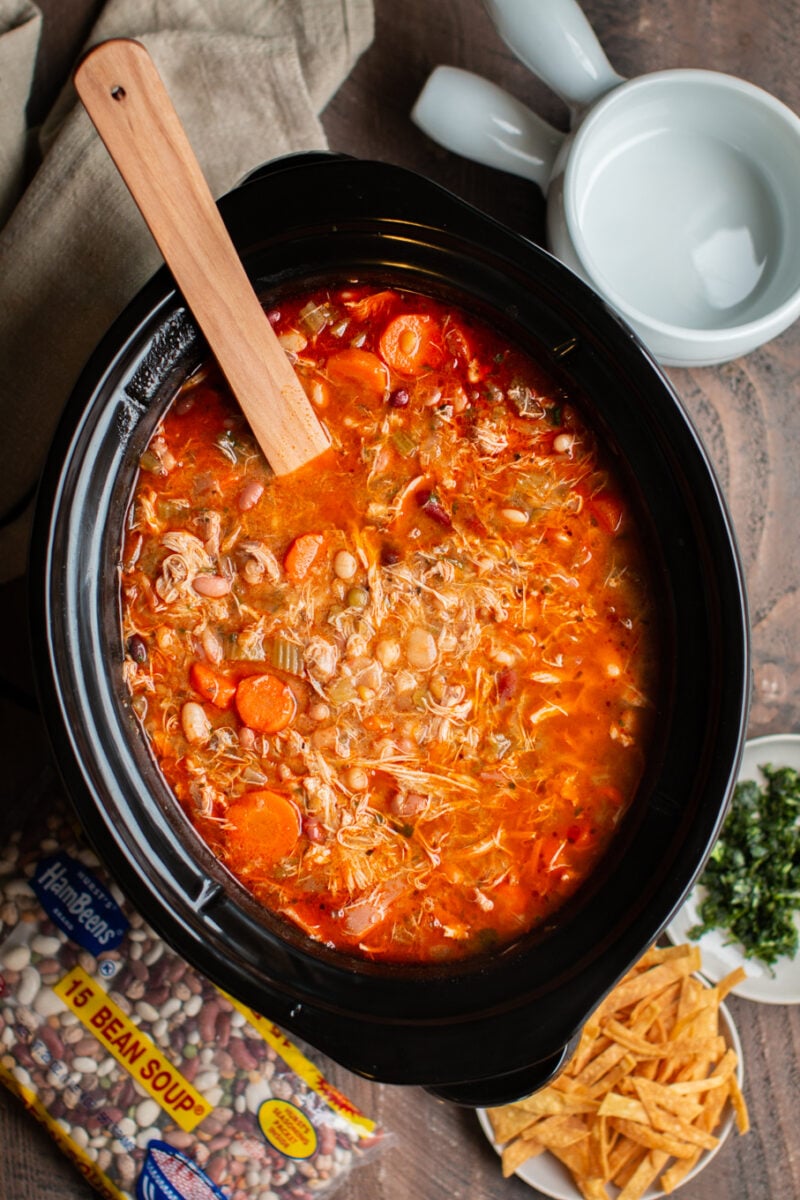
<point x="405" y="694"/>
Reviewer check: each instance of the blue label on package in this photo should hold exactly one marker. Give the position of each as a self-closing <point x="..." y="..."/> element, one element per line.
<point x="167" y="1174"/>
<point x="78" y="903"/>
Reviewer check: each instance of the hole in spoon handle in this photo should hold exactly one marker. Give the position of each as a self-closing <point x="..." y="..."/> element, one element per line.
<point x="151" y="150"/>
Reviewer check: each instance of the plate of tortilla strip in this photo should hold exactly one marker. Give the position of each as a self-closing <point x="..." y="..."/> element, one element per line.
<point x="649" y="1097"/>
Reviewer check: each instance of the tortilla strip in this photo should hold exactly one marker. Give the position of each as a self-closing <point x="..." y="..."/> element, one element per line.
<point x="730" y="981"/>
<point x="677" y="1172"/>
<point x="509" y="1122"/>
<point x="652" y="980"/>
<point x="630" y="1166"/>
<point x="683" y="1047"/>
<point x="608" y="1082"/>
<point x="557" y="1132"/>
<point x="675" y="1126"/>
<point x="739" y="1106"/>
<point x="719" y="1076"/>
<point x="665" y="1097"/>
<point x="651" y="1138"/>
<point x="518" y="1152"/>
<point x="628" y="1107"/>
<point x="643" y="1176"/>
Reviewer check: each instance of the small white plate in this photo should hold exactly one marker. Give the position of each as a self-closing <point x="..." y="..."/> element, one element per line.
<point x="552" y="1178"/>
<point x="769" y="985"/>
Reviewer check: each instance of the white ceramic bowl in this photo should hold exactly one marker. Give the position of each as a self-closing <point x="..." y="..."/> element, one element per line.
<point x="680" y="203"/>
<point x="675" y="195"/>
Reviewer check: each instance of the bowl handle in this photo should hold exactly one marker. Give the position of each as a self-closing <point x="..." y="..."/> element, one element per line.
<point x="555" y="40"/>
<point x="477" y="119"/>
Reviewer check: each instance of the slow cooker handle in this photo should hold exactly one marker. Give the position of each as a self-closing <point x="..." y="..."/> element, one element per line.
<point x="506" y="1089"/>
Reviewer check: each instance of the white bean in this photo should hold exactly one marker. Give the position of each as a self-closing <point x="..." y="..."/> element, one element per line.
<point x="28" y="987"/>
<point x="514" y="516"/>
<point x="344" y="564"/>
<point x="194" y="722"/>
<point x="206" y="1080"/>
<point x="255" y="1094"/>
<point x="15" y="958"/>
<point x="193" y="1005"/>
<point x="84" y="1064"/>
<point x="48" y="947"/>
<point x="387" y="653"/>
<point x="420" y="648"/>
<point x="147" y="1112"/>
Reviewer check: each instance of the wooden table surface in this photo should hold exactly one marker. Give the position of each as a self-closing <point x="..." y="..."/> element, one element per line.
<point x="748" y="413"/>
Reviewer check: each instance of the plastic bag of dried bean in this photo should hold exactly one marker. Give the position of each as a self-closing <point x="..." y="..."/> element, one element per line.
<point x="156" y="1084"/>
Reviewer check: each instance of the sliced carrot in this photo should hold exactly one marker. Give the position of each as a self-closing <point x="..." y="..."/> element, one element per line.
<point x="608" y="511"/>
<point x="301" y="555"/>
<point x="265" y="703"/>
<point x="511" y="899"/>
<point x="411" y="343"/>
<point x="212" y="685"/>
<point x="359" y="366"/>
<point x="263" y="827"/>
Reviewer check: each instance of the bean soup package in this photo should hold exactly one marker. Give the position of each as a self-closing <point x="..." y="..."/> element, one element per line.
<point x="154" y="1082"/>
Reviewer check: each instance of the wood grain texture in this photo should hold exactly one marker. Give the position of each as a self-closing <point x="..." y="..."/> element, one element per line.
<point x="748" y="412"/>
<point x="131" y="110"/>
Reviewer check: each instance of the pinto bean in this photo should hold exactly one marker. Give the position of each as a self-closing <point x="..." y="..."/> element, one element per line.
<point x="211" y="586"/>
<point x="250" y="495"/>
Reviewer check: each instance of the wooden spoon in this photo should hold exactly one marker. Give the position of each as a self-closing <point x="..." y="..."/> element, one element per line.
<point x="131" y="110"/>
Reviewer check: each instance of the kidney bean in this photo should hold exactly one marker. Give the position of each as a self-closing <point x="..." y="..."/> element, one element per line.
<point x="430" y="504"/>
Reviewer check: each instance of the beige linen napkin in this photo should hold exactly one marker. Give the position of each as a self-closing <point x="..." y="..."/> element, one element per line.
<point x="248" y="78"/>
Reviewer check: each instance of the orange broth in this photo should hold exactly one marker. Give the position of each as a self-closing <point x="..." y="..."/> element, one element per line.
<point x="404" y="696"/>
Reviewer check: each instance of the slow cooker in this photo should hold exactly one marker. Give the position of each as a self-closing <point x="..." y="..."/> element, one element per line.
<point x="490" y="1029"/>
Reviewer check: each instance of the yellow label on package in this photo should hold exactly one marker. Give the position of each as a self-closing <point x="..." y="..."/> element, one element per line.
<point x="287" y="1128"/>
<point x="133" y="1049"/>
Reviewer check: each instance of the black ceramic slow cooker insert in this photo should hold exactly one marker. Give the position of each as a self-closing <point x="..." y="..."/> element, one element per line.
<point x="485" y="1030"/>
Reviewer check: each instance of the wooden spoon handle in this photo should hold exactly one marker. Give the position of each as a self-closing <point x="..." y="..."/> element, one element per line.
<point x="131" y="110"/>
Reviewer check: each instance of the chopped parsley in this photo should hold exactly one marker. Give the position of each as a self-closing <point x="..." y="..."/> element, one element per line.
<point x="752" y="878"/>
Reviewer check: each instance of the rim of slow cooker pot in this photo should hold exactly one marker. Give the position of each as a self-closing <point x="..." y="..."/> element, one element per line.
<point x="347" y="1007"/>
